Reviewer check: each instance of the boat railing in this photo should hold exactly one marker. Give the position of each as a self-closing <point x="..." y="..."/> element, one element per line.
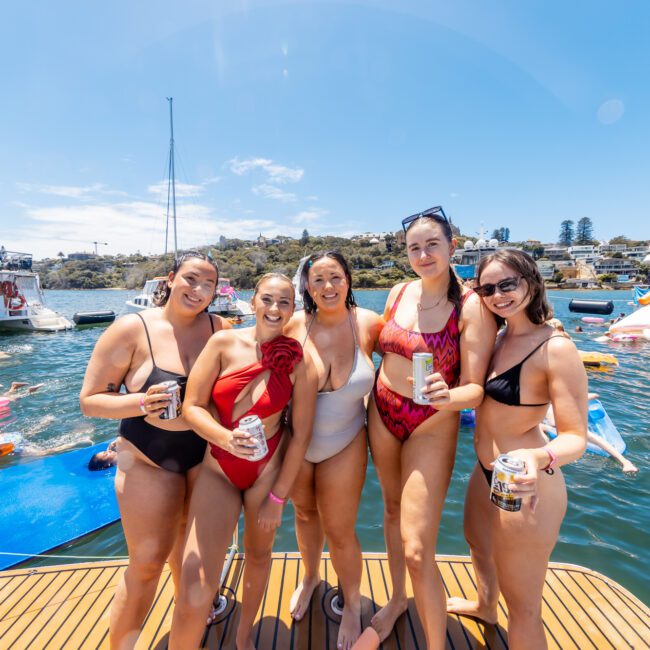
<point x="220" y="601"/>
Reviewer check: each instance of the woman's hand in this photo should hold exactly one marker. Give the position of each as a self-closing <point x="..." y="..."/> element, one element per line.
<point x="435" y="389"/>
<point x="240" y="444"/>
<point x="270" y="515"/>
<point x="155" y="400"/>
<point x="524" y="486"/>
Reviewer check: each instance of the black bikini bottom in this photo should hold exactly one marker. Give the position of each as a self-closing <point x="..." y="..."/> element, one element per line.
<point x="175" y="451"/>
<point x="487" y="473"/>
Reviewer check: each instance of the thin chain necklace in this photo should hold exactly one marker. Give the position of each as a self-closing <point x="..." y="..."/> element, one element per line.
<point x="435" y="304"/>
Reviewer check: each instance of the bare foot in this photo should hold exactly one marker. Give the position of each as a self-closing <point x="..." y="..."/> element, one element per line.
<point x="350" y="627"/>
<point x="301" y="597"/>
<point x="15" y="385"/>
<point x="628" y="467"/>
<point x="464" y="607"/>
<point x="34" y="388"/>
<point x="384" y="620"/>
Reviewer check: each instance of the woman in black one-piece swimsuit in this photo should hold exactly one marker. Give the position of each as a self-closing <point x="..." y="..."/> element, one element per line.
<point x="158" y="460"/>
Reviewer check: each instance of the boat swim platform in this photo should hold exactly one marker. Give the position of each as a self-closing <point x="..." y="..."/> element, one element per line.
<point x="68" y="606"/>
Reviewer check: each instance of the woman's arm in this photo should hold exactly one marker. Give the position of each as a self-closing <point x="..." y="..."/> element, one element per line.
<point x="204" y="373"/>
<point x="477" y="337"/>
<point x="303" y="406"/>
<point x="567" y="384"/>
<point x="110" y="361"/>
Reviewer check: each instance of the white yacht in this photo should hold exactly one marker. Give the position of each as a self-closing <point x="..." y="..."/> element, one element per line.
<point x="228" y="303"/>
<point x="144" y="300"/>
<point x="22" y="303"/>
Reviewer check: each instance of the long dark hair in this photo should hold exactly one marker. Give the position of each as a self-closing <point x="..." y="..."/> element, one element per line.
<point x="538" y="309"/>
<point x="308" y="301"/>
<point x="161" y="296"/>
<point x="454" y="290"/>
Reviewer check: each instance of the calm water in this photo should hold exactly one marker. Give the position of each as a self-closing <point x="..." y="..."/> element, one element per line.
<point x="606" y="527"/>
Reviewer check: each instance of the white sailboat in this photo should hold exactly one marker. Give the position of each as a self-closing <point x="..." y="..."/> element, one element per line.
<point x="226" y="302"/>
<point x="22" y="303"/>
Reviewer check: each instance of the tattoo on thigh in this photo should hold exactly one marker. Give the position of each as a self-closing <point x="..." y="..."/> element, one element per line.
<point x="111" y="388"/>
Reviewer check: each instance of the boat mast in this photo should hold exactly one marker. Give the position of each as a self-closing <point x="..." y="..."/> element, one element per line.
<point x="172" y="179"/>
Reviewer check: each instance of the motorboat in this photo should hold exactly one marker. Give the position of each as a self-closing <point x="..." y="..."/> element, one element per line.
<point x="145" y="299"/>
<point x="22" y="302"/>
<point x="228" y="303"/>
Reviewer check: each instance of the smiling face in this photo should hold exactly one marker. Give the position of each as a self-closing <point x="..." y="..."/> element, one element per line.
<point x="327" y="284"/>
<point x="273" y="303"/>
<point x="428" y="248"/>
<point x="511" y="294"/>
<point x="194" y="284"/>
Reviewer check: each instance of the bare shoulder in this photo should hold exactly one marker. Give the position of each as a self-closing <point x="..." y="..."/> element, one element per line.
<point x="392" y="296"/>
<point x="126" y="329"/>
<point x="220" y="323"/>
<point x="368" y="319"/>
<point x="559" y="346"/>
<point x="296" y="324"/>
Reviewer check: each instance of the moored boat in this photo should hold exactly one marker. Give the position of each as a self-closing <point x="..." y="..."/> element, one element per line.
<point x="228" y="303"/>
<point x="22" y="303"/>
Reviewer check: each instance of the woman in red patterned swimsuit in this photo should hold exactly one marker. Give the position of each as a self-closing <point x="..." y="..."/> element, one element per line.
<point x="413" y="446"/>
<point x="252" y="371"/>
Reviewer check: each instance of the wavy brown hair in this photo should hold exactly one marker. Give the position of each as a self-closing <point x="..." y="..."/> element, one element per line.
<point x="538" y="309"/>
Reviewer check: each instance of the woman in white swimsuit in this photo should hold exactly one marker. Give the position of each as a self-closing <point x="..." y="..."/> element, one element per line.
<point x="340" y="337"/>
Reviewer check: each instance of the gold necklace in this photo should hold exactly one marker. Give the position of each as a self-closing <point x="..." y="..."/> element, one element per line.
<point x="435" y="304"/>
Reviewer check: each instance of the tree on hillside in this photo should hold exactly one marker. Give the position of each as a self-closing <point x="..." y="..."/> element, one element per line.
<point x="389" y="241"/>
<point x="304" y="239"/>
<point x="566" y="233"/>
<point x="504" y="234"/>
<point x="619" y="239"/>
<point x="496" y="234"/>
<point x="584" y="231"/>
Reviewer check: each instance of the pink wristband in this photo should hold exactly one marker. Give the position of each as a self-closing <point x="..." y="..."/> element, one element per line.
<point x="276" y="499"/>
<point x="552" y="459"/>
<point x="142" y="408"/>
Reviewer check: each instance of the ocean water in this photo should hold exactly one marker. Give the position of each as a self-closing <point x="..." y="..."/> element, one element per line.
<point x="606" y="526"/>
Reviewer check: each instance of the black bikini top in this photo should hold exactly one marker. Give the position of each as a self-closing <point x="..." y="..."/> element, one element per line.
<point x="158" y="375"/>
<point x="504" y="388"/>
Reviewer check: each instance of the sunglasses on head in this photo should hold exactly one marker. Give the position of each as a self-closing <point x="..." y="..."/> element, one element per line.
<point x="504" y="286"/>
<point x="437" y="214"/>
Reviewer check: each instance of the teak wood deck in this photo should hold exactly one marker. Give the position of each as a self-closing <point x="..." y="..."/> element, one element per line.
<point x="67" y="607"/>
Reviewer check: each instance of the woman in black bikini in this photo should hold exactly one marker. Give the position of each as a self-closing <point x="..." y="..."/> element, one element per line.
<point x="158" y="460"/>
<point x="532" y="366"/>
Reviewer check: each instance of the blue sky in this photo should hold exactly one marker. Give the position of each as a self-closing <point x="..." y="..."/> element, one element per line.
<point x="339" y="117"/>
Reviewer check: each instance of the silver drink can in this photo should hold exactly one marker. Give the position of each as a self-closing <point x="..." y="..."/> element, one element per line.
<point x="422" y="368"/>
<point x="253" y="425"/>
<point x="505" y="469"/>
<point x="173" y="409"/>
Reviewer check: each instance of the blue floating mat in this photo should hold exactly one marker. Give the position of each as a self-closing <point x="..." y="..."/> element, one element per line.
<point x="601" y="424"/>
<point x="51" y="501"/>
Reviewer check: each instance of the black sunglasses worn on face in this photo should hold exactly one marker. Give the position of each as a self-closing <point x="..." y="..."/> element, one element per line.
<point x="504" y="286"/>
<point x="436" y="213"/>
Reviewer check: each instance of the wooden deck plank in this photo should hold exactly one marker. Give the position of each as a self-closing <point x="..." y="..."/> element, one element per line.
<point x="67" y="607"/>
<point x="596" y="603"/>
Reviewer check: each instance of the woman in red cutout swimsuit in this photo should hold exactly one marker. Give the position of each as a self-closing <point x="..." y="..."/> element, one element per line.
<point x="252" y="371"/>
<point x="532" y="366"/>
<point x="413" y="447"/>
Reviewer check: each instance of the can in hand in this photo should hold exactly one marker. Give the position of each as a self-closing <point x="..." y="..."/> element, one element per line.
<point x="422" y="368"/>
<point x="253" y="425"/>
<point x="173" y="409"/>
<point x="505" y="469"/>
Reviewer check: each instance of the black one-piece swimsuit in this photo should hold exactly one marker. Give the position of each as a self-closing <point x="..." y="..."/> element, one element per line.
<point x="175" y="451"/>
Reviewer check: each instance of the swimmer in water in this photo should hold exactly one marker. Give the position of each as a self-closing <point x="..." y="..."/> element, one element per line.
<point x="20" y="389"/>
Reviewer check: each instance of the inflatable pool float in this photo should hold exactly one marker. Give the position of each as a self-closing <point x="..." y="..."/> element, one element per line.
<point x="468" y="417"/>
<point x="635" y="323"/>
<point x="605" y="307"/>
<point x="597" y="359"/>
<point x="9" y="442"/>
<point x="600" y="423"/>
<point x="592" y="319"/>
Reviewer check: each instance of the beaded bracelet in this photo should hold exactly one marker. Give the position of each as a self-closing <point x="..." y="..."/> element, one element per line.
<point x="276" y="499"/>
<point x="142" y="408"/>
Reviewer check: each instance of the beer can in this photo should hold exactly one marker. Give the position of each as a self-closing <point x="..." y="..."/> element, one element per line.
<point x="173" y="408"/>
<point x="422" y="368"/>
<point x="253" y="425"/>
<point x="505" y="469"/>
